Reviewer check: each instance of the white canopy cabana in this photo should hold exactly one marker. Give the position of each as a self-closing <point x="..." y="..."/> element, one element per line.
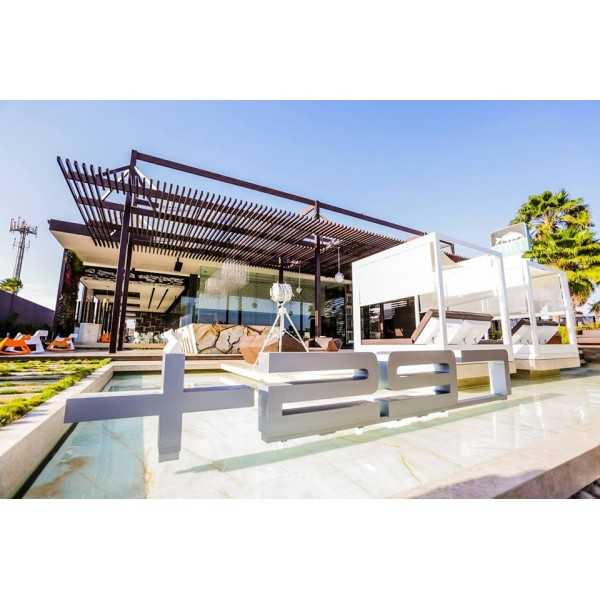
<point x="538" y="301"/>
<point x="455" y="298"/>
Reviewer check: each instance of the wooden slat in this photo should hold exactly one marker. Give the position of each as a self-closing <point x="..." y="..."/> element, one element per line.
<point x="87" y="210"/>
<point x="187" y="223"/>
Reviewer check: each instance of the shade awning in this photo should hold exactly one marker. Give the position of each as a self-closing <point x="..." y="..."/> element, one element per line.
<point x="183" y="222"/>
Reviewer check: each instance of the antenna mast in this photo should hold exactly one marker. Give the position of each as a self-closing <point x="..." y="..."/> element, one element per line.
<point x="22" y="229"/>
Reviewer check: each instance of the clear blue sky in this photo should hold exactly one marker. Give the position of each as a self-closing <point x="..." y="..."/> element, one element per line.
<point x="461" y="168"/>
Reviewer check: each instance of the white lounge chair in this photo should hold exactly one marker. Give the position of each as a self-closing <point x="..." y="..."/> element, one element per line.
<point x="522" y="334"/>
<point x="35" y="340"/>
<point x="463" y="328"/>
<point x="186" y="337"/>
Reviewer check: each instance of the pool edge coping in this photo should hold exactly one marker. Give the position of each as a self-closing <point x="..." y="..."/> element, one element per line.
<point x="554" y="468"/>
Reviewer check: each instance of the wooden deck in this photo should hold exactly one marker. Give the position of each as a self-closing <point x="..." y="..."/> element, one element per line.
<point x="590" y="352"/>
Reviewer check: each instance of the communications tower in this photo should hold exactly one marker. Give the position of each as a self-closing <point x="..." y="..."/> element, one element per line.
<point x="23" y="230"/>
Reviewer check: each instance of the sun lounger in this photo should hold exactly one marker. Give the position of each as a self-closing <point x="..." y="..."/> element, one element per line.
<point x="522" y="334"/>
<point x="36" y="341"/>
<point x="14" y="346"/>
<point x="25" y="344"/>
<point x="463" y="328"/>
<point x="63" y="344"/>
<point x="186" y="337"/>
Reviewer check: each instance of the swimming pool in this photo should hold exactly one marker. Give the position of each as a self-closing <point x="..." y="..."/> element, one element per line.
<point x="223" y="455"/>
<point x="125" y="381"/>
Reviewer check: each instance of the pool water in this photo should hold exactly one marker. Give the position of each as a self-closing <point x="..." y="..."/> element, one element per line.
<point x="105" y="459"/>
<point x="123" y="382"/>
<point x="223" y="455"/>
<point x="98" y="460"/>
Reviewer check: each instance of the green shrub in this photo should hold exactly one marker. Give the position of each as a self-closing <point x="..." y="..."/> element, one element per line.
<point x="17" y="407"/>
<point x="564" y="334"/>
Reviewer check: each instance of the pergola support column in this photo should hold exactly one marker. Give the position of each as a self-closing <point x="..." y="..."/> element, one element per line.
<point x="317" y="278"/>
<point x="123" y="251"/>
<point x="125" y="293"/>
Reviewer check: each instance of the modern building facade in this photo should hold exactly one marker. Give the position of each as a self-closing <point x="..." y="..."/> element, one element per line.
<point x="150" y="255"/>
<point x="159" y="298"/>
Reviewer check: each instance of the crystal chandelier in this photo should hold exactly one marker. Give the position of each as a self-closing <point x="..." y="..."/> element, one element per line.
<point x="230" y="277"/>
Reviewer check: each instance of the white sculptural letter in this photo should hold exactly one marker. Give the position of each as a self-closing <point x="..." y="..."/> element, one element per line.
<point x="277" y="422"/>
<point x="441" y="377"/>
<point x="304" y="393"/>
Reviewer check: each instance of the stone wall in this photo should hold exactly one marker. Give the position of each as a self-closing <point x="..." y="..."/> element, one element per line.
<point x="222" y="339"/>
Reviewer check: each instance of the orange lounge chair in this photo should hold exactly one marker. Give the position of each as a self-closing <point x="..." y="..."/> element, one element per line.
<point x="19" y="346"/>
<point x="35" y="341"/>
<point x="62" y="344"/>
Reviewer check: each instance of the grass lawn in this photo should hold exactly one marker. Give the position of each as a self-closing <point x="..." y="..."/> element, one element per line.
<point x="27" y="384"/>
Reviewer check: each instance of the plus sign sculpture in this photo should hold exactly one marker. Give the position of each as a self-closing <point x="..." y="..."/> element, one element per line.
<point x="168" y="403"/>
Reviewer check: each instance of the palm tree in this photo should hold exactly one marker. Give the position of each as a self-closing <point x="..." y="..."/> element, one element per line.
<point x="11" y="284"/>
<point x="548" y="212"/>
<point x="562" y="236"/>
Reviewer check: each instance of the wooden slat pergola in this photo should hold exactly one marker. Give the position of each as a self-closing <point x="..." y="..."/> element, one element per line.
<point x="179" y="221"/>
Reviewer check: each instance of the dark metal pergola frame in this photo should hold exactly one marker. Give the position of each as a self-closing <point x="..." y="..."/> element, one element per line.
<point x="182" y="222"/>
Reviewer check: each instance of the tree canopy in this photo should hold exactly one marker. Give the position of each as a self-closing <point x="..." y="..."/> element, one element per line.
<point x="562" y="235"/>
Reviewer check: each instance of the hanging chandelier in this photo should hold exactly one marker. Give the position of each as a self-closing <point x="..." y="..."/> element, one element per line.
<point x="298" y="287"/>
<point x="230" y="277"/>
<point x="339" y="276"/>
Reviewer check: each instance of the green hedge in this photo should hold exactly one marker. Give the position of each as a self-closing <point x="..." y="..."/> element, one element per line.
<point x="17" y="407"/>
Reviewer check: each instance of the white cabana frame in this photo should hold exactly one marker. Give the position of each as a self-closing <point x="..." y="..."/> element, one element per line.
<point x="541" y="292"/>
<point x="420" y="268"/>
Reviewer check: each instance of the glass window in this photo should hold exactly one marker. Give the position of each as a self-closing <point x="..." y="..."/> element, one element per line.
<point x="252" y="305"/>
<point x="389" y="320"/>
